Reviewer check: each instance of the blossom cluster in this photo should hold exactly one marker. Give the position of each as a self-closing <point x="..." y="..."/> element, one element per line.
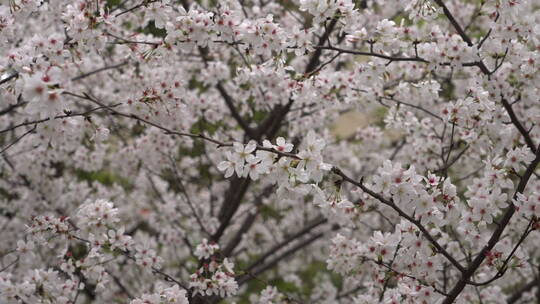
<point x="247" y="160"/>
<point x="214" y="277"/>
<point x="163" y="295"/>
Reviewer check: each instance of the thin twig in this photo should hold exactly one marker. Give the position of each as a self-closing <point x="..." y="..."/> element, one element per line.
<point x="18" y="138"/>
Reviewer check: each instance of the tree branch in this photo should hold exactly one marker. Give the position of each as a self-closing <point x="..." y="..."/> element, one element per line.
<point x="401" y="213"/>
<point x="526" y="135"/>
<point x="234" y="112"/>
<point x="465" y="276"/>
<point x="315" y="223"/>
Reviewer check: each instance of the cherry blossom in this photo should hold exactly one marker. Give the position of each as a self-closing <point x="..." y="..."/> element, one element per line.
<point x="309" y="151"/>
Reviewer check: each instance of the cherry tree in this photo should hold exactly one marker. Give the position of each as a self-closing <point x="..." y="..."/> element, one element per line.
<point x="185" y="151"/>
